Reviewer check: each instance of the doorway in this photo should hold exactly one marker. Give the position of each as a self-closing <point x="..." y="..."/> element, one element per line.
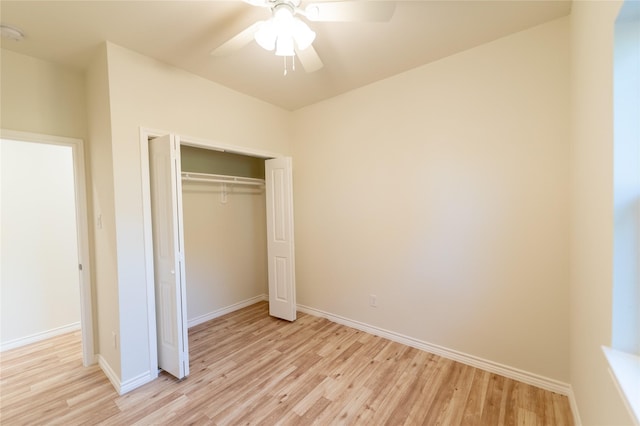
<point x="46" y="282"/>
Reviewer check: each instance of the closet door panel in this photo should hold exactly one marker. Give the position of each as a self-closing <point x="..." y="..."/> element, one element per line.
<point x="167" y="255"/>
<point x="280" y="242"/>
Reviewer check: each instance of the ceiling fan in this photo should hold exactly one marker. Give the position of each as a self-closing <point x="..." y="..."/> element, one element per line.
<point x="290" y="36"/>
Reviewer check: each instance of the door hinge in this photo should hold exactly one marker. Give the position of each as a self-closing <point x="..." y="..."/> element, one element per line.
<point x="80" y="266"/>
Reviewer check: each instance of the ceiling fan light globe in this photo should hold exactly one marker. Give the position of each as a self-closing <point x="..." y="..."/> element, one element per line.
<point x="302" y="34"/>
<point x="266" y="36"/>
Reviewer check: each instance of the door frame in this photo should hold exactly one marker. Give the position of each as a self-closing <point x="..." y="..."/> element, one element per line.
<point x="146" y="134"/>
<point x="82" y="230"/>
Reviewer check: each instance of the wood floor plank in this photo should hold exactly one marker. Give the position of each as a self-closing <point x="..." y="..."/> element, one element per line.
<point x="474" y="404"/>
<point x="283" y="401"/>
<point x="249" y="368"/>
<point x="440" y="408"/>
<point x="411" y="395"/>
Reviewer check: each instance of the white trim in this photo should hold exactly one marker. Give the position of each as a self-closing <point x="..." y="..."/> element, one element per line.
<point x="226" y="310"/>
<point x="147" y="235"/>
<point x="44" y="335"/>
<point x="474" y="361"/>
<point x="84" y="258"/>
<point x="211" y="145"/>
<point x="625" y="372"/>
<point x="129" y="385"/>
<point x="108" y="371"/>
<point x="136" y="382"/>
<point x="573" y="404"/>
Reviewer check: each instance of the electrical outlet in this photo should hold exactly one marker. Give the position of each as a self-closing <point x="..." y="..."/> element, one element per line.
<point x="115" y="339"/>
<point x="373" y="300"/>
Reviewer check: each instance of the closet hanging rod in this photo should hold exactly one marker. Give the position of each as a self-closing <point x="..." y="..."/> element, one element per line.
<point x="233" y="180"/>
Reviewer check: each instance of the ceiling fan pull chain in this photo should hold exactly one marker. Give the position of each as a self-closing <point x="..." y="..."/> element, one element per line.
<point x="293" y="64"/>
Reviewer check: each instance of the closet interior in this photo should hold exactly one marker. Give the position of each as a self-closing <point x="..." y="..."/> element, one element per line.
<point x="225" y="236"/>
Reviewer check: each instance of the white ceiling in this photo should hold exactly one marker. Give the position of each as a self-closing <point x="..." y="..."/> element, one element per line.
<point x="182" y="33"/>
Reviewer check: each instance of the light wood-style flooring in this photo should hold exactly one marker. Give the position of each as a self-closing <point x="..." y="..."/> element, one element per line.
<point x="249" y="368"/>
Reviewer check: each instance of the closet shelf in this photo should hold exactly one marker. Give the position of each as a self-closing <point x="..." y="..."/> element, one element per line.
<point x="231" y="180"/>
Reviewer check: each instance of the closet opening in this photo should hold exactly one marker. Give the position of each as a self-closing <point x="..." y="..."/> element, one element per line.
<point x="219" y="233"/>
<point x="225" y="236"/>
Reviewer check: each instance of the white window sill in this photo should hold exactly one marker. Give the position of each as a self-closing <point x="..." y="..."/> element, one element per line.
<point x="625" y="369"/>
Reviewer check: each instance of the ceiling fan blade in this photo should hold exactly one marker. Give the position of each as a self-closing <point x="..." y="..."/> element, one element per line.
<point x="261" y="3"/>
<point x="350" y="11"/>
<point x="237" y="42"/>
<point x="309" y="59"/>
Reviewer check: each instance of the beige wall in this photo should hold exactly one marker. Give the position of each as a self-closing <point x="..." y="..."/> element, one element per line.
<point x="102" y="221"/>
<point x="444" y="191"/>
<point x="592" y="29"/>
<point x="41" y="97"/>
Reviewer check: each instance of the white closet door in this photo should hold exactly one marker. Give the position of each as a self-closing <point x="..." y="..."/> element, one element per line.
<point x="166" y="216"/>
<point x="280" y="247"/>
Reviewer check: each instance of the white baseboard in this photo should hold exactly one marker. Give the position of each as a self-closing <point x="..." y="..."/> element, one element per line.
<point x="474" y="361"/>
<point x="128" y="385"/>
<point x="22" y="341"/>
<point x="136" y="382"/>
<point x="108" y="371"/>
<point x="574" y="407"/>
<point x="226" y="310"/>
